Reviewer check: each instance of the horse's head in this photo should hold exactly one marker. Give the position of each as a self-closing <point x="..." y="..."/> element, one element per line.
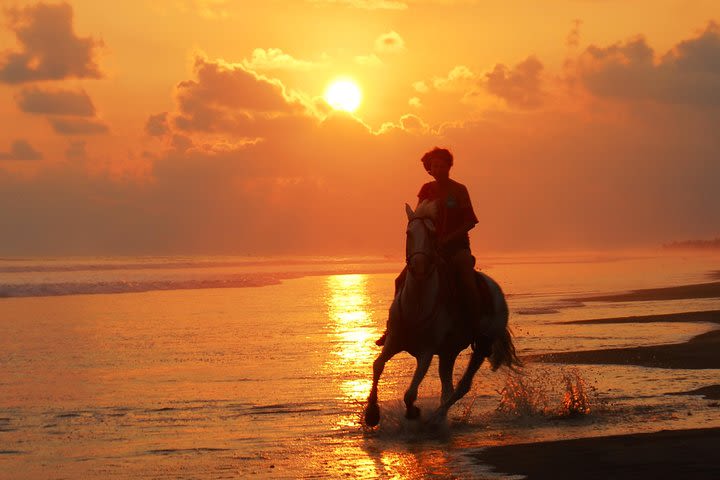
<point x="420" y="245"/>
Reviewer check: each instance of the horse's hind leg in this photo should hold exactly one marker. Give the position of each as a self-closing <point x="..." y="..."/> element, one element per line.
<point x="463" y="385"/>
<point x="446" y="365"/>
<point x="372" y="410"/>
<point x="423" y="363"/>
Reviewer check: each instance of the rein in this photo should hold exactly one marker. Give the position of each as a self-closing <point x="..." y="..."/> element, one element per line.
<point x="432" y="256"/>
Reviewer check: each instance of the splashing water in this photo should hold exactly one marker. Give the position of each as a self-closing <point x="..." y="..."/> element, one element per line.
<point x="545" y="394"/>
<point x="575" y="400"/>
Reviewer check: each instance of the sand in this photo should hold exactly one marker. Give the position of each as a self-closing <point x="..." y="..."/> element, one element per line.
<point x="678" y="454"/>
<point x="665" y="454"/>
<point x="699" y="290"/>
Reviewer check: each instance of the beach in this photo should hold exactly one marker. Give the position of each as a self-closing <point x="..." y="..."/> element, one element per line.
<point x="664" y="454"/>
<point x="688" y="454"/>
<point x="235" y="368"/>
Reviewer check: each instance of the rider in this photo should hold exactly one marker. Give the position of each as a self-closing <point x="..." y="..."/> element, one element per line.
<point x="455" y="218"/>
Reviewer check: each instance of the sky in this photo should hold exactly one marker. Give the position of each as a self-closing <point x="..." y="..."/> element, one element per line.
<point x="201" y="127"/>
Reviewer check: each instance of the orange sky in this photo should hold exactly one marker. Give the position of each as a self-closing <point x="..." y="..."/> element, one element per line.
<point x="199" y="126"/>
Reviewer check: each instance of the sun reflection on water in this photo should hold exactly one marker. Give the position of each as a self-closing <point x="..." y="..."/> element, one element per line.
<point x="353" y="328"/>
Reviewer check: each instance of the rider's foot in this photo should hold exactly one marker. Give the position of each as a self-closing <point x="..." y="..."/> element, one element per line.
<point x="381" y="341"/>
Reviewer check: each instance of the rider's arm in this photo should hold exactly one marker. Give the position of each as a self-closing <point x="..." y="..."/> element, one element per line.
<point x="459" y="232"/>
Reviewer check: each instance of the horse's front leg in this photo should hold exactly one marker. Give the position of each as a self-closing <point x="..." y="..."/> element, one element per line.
<point x="372" y="410"/>
<point x="423" y="363"/>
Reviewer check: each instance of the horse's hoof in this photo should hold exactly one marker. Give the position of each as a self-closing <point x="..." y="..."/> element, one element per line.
<point x="438" y="417"/>
<point x="372" y="414"/>
<point x="412" y="412"/>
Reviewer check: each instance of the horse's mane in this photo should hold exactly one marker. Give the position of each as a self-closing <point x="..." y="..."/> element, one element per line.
<point x="427" y="208"/>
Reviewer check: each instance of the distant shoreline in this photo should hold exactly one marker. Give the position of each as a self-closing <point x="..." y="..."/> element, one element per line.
<point x="713" y="244"/>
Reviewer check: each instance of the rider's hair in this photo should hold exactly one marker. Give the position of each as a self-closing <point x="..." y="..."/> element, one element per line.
<point x="437" y="152"/>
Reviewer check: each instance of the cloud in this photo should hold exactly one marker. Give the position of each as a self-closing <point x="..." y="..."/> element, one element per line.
<point x="415" y="102"/>
<point x="50" y="49"/>
<point x="77" y="126"/>
<point x="21" y="150"/>
<point x="76" y="150"/>
<point x="230" y="98"/>
<point x="58" y="102"/>
<point x="276" y="59"/>
<point x="371" y="60"/>
<point x="367" y="4"/>
<point x="519" y="86"/>
<point x="456" y="78"/>
<point x="390" y="43"/>
<point x="211" y="9"/>
<point x="688" y="74"/>
<point x="391" y="4"/>
<point x="420" y="87"/>
<point x="573" y="38"/>
<point x="157" y="125"/>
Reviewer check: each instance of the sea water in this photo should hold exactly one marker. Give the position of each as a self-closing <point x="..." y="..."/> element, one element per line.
<point x="208" y="367"/>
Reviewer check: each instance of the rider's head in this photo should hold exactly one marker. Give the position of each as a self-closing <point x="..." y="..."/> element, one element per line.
<point x="437" y="162"/>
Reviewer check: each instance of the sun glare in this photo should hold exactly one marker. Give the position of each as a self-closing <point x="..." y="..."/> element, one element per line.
<point x="343" y="95"/>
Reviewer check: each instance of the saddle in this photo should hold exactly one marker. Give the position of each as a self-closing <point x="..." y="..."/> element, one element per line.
<point x="455" y="291"/>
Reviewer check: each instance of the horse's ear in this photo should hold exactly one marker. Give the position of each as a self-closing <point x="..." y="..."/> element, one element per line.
<point x="409" y="212"/>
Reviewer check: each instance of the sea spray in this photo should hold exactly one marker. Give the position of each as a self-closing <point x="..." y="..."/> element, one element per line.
<point x="543" y="393"/>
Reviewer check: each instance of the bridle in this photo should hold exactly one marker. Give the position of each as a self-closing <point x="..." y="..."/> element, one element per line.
<point x="431" y="255"/>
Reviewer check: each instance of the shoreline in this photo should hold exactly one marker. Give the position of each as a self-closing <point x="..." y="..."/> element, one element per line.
<point x="700" y="352"/>
<point x="680" y="292"/>
<point x="665" y="454"/>
<point x="689" y="453"/>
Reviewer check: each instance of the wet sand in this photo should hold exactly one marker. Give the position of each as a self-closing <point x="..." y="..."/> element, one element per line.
<point x="701" y="352"/>
<point x="665" y="454"/>
<point x="698" y="290"/>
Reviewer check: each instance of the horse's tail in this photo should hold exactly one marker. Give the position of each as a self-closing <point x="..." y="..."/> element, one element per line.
<point x="503" y="351"/>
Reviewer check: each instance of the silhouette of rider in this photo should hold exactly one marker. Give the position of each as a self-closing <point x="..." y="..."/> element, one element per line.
<point x="455" y="218"/>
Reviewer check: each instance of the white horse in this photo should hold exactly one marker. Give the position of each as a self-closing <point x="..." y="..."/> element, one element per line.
<point x="426" y="319"/>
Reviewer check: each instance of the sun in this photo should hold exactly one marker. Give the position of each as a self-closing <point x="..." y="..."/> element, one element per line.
<point x="343" y="94"/>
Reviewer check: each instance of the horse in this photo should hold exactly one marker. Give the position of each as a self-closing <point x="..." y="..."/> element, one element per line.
<point x="425" y="319"/>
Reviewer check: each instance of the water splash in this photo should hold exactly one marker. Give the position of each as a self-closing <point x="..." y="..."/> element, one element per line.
<point x="575" y="400"/>
<point x="544" y="393"/>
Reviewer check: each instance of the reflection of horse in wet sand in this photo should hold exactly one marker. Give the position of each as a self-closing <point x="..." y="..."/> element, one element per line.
<point x="427" y="318"/>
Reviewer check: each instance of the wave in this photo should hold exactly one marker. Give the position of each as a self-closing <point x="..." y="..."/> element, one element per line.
<point x="84" y="288"/>
<point x="66" y="265"/>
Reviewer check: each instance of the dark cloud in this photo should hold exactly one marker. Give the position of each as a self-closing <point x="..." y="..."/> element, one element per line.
<point x="229" y="97"/>
<point x="519" y="86"/>
<point x="66" y="126"/>
<point x="688" y="74"/>
<point x="21" y="150"/>
<point x="157" y="125"/>
<point x="573" y="38"/>
<point x="390" y="42"/>
<point x="50" y="49"/>
<point x="58" y="102"/>
<point x="181" y="142"/>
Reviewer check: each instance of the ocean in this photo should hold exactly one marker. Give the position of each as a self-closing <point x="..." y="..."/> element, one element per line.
<point x="232" y="367"/>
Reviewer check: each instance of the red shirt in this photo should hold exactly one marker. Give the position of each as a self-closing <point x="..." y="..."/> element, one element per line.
<point x="454" y="210"/>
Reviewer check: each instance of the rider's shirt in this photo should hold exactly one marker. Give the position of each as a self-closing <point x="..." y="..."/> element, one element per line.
<point x="454" y="210"/>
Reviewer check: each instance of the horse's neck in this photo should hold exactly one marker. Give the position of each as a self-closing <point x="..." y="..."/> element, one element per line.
<point x="419" y="296"/>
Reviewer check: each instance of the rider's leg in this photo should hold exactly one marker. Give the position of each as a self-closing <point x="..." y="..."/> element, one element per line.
<point x="399" y="281"/>
<point x="464" y="264"/>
